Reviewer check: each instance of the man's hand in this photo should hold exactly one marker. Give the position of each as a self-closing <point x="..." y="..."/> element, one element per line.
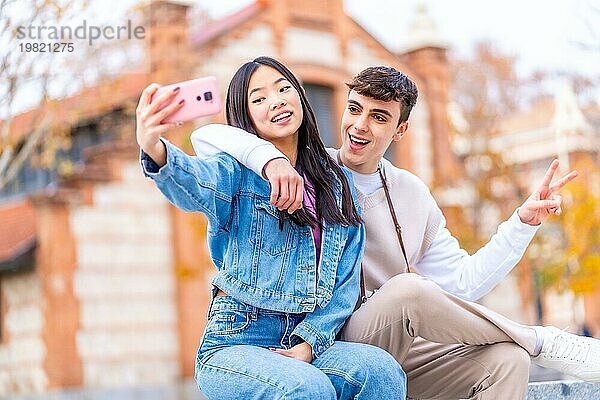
<point x="287" y="186"/>
<point x="301" y="351"/>
<point x="544" y="201"/>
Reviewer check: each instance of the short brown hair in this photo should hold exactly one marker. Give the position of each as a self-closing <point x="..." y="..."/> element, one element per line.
<point x="386" y="84"/>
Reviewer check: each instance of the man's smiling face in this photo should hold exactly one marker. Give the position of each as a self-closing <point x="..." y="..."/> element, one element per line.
<point x="368" y="128"/>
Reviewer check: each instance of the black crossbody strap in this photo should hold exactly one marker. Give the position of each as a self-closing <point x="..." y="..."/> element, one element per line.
<point x="363" y="295"/>
<point x="393" y="213"/>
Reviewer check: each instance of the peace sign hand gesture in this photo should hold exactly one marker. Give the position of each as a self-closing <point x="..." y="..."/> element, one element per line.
<point x="544" y="201"/>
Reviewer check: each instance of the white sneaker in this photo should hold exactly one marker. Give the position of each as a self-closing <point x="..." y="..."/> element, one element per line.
<point x="574" y="355"/>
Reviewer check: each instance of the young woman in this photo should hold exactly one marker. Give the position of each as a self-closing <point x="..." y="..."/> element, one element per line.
<point x="286" y="282"/>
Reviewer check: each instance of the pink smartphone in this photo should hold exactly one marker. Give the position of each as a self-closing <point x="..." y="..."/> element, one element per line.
<point x="201" y="99"/>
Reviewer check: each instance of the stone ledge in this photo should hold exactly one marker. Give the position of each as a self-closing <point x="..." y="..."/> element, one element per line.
<point x="186" y="390"/>
<point x="563" y="390"/>
<point x="567" y="390"/>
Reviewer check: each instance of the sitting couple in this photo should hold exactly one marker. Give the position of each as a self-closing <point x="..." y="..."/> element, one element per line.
<point x="289" y="241"/>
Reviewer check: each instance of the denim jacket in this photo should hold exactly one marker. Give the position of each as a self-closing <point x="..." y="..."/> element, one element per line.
<point x="258" y="263"/>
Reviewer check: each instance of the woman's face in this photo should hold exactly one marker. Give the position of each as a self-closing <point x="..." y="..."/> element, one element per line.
<point x="274" y="105"/>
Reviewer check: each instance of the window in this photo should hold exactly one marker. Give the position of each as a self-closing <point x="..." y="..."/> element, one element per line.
<point x="321" y="100"/>
<point x="31" y="178"/>
<point x="28" y="179"/>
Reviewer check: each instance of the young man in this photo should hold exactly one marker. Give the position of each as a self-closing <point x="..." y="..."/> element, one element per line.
<point x="448" y="346"/>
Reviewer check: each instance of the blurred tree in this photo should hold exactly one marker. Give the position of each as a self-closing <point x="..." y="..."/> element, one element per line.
<point x="571" y="247"/>
<point x="588" y="35"/>
<point x="26" y="76"/>
<point x="35" y="122"/>
<point x="486" y="89"/>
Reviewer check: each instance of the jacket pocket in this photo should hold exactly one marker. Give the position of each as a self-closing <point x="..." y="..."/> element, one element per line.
<point x="265" y="232"/>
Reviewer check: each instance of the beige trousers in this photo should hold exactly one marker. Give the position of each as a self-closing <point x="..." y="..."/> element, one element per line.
<point x="449" y="348"/>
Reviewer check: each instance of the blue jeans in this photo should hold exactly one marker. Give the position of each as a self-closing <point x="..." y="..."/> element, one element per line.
<point x="234" y="361"/>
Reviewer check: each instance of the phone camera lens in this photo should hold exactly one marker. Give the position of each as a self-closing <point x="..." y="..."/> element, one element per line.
<point x="198" y="98"/>
<point x="208" y="96"/>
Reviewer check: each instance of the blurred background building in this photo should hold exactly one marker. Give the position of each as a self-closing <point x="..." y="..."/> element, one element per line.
<point x="104" y="284"/>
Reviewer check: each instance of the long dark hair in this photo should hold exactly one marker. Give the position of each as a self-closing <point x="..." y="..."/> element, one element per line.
<point x="312" y="160"/>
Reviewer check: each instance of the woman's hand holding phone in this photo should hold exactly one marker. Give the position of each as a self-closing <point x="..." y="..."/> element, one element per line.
<point x="149" y="117"/>
<point x="164" y="108"/>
